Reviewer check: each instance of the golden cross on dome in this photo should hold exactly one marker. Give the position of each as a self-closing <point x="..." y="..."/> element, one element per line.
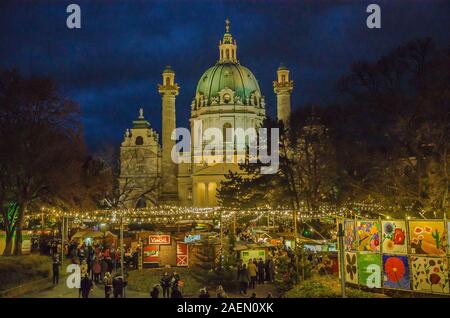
<point x="227" y="25"/>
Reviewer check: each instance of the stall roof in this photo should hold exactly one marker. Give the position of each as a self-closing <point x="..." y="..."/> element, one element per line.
<point x="91" y="233"/>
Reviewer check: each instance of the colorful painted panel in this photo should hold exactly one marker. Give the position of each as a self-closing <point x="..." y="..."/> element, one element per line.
<point x="369" y="270"/>
<point x="396" y="272"/>
<point x="448" y="237"/>
<point x="394" y="237"/>
<point x="430" y="274"/>
<point x="351" y="268"/>
<point x="428" y="237"/>
<point x="349" y="235"/>
<point x="368" y="236"/>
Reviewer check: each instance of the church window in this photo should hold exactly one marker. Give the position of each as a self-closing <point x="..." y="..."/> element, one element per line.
<point x="283" y="78"/>
<point x="228" y="54"/>
<point x="167" y="81"/>
<point x="139" y="141"/>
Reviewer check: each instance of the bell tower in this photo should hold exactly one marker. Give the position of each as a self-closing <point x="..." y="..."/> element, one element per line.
<point x="168" y="90"/>
<point x="283" y="87"/>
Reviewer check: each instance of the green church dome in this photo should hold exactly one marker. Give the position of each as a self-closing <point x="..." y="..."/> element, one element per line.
<point x="228" y="75"/>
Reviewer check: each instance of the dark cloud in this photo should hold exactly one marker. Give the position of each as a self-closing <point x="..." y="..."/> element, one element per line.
<point x="112" y="65"/>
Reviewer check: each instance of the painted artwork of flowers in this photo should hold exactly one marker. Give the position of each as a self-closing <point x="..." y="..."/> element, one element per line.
<point x="430" y="274"/>
<point x="394" y="237"/>
<point x="351" y="268"/>
<point x="368" y="236"/>
<point x="396" y="272"/>
<point x="428" y="237"/>
<point x="349" y="235"/>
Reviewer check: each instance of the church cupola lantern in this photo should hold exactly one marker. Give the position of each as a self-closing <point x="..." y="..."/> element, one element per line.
<point x="227" y="47"/>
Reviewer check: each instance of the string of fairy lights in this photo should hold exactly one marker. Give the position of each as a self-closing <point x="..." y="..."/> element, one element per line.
<point x="174" y="214"/>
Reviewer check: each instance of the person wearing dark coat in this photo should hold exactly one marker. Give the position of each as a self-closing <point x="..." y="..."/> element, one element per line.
<point x="176" y="293"/>
<point x="155" y="291"/>
<point x="165" y="284"/>
<point x="56" y="264"/>
<point x="243" y="278"/>
<point x="261" y="271"/>
<point x="118" y="285"/>
<point x="85" y="286"/>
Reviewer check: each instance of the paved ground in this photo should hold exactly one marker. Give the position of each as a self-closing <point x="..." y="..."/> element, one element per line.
<point x="62" y="291"/>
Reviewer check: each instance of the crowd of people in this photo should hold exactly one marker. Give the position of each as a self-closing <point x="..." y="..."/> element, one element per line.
<point x="99" y="265"/>
<point x="255" y="272"/>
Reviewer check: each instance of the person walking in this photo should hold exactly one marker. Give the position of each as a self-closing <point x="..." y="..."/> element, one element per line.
<point x="165" y="284"/>
<point x="107" y="280"/>
<point x="252" y="273"/>
<point x="243" y="280"/>
<point x="55" y="265"/>
<point x="261" y="271"/>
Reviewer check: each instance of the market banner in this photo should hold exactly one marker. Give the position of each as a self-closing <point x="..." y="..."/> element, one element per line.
<point x="159" y="240"/>
<point x="182" y="254"/>
<point x="151" y="254"/>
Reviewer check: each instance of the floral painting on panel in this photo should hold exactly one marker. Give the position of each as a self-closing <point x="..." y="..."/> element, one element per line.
<point x="368" y="236"/>
<point x="351" y="268"/>
<point x="396" y="272"/>
<point x="394" y="237"/>
<point x="428" y="237"/>
<point x="430" y="274"/>
<point x="349" y="235"/>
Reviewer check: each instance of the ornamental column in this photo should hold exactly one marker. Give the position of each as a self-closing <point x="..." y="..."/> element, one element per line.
<point x="283" y="88"/>
<point x="168" y="90"/>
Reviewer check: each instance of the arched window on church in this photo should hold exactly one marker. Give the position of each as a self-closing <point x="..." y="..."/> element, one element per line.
<point x="227" y="138"/>
<point x="283" y="78"/>
<point x="167" y="80"/>
<point x="139" y="141"/>
<point x="228" y="54"/>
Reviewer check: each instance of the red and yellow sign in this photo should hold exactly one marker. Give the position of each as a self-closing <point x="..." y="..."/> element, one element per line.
<point x="159" y="240"/>
<point x="182" y="254"/>
<point x="151" y="254"/>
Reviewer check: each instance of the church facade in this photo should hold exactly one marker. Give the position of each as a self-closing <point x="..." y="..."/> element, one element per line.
<point x="227" y="96"/>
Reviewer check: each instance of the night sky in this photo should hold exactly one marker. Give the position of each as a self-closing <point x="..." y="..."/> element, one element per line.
<point x="112" y="65"/>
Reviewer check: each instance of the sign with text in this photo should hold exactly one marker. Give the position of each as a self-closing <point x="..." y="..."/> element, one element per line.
<point x="159" y="240"/>
<point x="192" y="238"/>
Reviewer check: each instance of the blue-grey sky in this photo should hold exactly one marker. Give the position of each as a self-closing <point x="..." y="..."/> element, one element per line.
<point x="112" y="65"/>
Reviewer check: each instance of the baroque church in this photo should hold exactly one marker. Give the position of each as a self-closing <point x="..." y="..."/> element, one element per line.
<point x="227" y="96"/>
